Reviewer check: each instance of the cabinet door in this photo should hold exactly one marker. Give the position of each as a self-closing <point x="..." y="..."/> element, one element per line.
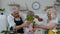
<point x="39" y="31"/>
<point x="3" y="22"/>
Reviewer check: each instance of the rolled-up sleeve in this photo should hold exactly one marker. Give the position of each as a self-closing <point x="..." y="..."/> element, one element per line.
<point x="10" y="21"/>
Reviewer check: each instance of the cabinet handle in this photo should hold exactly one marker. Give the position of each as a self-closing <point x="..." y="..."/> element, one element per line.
<point x="38" y="30"/>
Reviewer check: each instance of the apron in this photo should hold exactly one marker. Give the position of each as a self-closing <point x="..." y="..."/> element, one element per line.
<point x="19" y="23"/>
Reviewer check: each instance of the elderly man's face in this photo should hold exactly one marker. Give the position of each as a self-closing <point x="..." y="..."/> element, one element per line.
<point x="16" y="14"/>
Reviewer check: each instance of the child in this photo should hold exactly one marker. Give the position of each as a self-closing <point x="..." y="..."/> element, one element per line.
<point x="30" y="20"/>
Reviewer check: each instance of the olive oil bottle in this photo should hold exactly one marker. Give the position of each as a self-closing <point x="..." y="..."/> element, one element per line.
<point x="49" y="32"/>
<point x="14" y="29"/>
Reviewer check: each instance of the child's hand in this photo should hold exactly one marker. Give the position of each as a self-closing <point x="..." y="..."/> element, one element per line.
<point x="28" y="22"/>
<point x="32" y="30"/>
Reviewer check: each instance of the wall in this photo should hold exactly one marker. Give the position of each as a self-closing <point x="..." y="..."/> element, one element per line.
<point x="58" y="11"/>
<point x="43" y="4"/>
<point x="0" y="3"/>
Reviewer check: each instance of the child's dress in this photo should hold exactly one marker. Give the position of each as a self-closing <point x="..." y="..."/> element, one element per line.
<point x="27" y="29"/>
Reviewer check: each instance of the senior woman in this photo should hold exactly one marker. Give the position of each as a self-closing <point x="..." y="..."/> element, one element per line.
<point x="51" y="19"/>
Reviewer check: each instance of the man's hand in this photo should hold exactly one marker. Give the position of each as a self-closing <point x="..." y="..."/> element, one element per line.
<point x="23" y="25"/>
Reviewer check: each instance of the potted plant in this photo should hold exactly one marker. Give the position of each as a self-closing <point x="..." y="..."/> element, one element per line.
<point x="5" y="31"/>
<point x="2" y="9"/>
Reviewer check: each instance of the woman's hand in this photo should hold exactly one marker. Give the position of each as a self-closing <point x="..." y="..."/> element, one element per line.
<point x="46" y="27"/>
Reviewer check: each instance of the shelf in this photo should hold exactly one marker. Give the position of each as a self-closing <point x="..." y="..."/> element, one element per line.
<point x="57" y="27"/>
<point x="13" y="4"/>
<point x="58" y="4"/>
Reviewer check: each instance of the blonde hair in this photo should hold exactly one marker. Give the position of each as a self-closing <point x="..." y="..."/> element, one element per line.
<point x="53" y="13"/>
<point x="48" y="7"/>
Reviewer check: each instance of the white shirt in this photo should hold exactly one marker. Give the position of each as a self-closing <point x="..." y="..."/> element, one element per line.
<point x="10" y="19"/>
<point x="39" y="30"/>
<point x="52" y="21"/>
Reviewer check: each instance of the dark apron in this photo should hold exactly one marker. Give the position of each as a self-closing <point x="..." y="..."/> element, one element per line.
<point x="19" y="23"/>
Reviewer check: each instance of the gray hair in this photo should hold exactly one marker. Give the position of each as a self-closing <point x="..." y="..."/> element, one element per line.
<point x="30" y="12"/>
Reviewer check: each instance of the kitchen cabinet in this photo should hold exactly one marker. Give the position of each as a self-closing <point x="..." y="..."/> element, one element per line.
<point x="3" y="22"/>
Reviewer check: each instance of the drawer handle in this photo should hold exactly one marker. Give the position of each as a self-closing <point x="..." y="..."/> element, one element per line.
<point x="38" y="30"/>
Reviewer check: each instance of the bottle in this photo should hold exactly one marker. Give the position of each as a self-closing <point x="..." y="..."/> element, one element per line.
<point x="14" y="32"/>
<point x="14" y="29"/>
<point x="50" y="32"/>
<point x="11" y="30"/>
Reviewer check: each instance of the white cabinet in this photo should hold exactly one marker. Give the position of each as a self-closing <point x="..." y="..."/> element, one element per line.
<point x="3" y="22"/>
<point x="39" y="31"/>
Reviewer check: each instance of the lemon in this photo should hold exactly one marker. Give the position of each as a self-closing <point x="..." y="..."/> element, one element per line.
<point x="50" y="32"/>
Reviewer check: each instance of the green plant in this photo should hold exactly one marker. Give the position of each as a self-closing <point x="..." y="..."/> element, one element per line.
<point x="4" y="31"/>
<point x="58" y="32"/>
<point x="2" y="9"/>
<point x="30" y="18"/>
